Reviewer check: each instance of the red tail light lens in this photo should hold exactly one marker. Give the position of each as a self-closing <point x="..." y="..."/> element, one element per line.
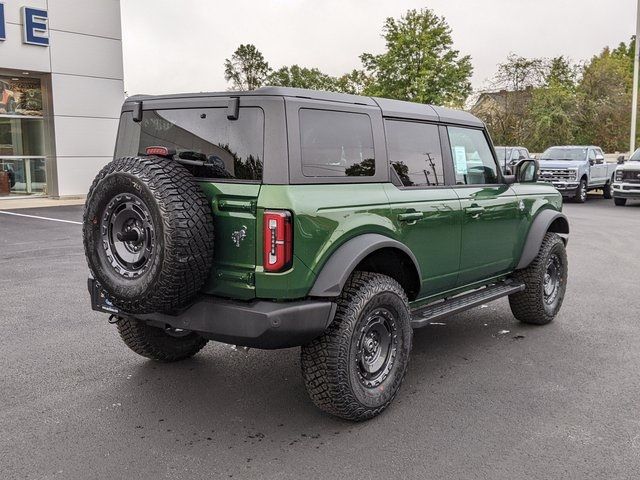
<point x="158" y="151"/>
<point x="278" y="240"/>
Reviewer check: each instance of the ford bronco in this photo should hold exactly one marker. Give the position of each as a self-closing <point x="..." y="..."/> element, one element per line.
<point x="283" y="217"/>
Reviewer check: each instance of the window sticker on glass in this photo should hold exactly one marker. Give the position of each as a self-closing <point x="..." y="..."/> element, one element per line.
<point x="460" y="154"/>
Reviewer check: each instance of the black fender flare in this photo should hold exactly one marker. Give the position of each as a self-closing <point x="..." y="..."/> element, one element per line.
<point x="540" y="226"/>
<point x="345" y="259"/>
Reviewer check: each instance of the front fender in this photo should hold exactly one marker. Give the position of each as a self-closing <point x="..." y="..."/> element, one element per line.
<point x="346" y="258"/>
<point x="539" y="227"/>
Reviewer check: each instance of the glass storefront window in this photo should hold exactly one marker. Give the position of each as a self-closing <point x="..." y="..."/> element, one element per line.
<point x="22" y="155"/>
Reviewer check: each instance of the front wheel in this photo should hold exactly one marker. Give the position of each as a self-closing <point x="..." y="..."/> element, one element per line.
<point x="354" y="370"/>
<point x="607" y="190"/>
<point x="620" y="202"/>
<point x="545" y="282"/>
<point x="581" y="192"/>
<point x="164" y="345"/>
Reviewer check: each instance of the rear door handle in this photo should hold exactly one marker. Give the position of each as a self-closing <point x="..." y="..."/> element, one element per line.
<point x="410" y="217"/>
<point x="475" y="211"/>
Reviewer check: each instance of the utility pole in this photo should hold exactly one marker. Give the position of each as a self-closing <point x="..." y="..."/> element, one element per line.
<point x="634" y="105"/>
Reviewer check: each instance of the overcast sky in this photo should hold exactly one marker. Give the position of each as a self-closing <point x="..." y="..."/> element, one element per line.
<point x="179" y="46"/>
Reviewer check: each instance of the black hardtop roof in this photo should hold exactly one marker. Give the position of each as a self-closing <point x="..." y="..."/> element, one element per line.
<point x="390" y="108"/>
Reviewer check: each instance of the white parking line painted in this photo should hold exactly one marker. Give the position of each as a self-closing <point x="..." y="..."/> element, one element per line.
<point x="40" y="218"/>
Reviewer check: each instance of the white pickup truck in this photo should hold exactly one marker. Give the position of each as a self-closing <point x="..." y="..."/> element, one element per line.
<point x="576" y="169"/>
<point x="627" y="180"/>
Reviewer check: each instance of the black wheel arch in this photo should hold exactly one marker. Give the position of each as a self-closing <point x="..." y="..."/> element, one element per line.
<point x="370" y="252"/>
<point x="547" y="220"/>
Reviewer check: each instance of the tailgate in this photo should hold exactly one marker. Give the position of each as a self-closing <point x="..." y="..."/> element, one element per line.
<point x="234" y="261"/>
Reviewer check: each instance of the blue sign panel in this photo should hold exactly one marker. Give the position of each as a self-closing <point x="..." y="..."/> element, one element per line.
<point x="3" y="31"/>
<point x="36" y="26"/>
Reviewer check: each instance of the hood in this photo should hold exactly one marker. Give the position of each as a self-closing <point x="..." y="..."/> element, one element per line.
<point x="561" y="164"/>
<point x="629" y="166"/>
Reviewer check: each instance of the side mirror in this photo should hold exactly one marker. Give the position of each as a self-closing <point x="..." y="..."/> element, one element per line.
<point x="620" y="159"/>
<point x="592" y="162"/>
<point x="527" y="171"/>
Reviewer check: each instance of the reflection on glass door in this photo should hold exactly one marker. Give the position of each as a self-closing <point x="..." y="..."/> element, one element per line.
<point x="22" y="156"/>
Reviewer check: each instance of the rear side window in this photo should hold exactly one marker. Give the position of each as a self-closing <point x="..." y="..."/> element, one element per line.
<point x="472" y="159"/>
<point x="231" y="149"/>
<point x="336" y="144"/>
<point x="414" y="153"/>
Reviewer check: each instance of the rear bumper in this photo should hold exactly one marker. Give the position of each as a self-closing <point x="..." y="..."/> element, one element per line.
<point x="258" y="324"/>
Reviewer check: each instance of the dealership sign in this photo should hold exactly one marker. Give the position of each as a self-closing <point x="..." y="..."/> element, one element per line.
<point x="35" y="26"/>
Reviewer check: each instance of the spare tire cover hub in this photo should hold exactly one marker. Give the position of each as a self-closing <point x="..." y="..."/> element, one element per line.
<point x="128" y="235"/>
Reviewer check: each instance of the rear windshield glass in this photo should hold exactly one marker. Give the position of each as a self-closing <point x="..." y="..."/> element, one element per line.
<point x="230" y="149"/>
<point x="336" y="144"/>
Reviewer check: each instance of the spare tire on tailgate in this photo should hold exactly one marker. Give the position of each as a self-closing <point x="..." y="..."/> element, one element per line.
<point x="148" y="234"/>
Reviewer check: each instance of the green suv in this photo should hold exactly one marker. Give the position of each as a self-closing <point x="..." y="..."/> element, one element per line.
<point x="283" y="217"/>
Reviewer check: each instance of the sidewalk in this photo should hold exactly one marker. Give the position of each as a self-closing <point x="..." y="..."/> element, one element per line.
<point x="20" y="203"/>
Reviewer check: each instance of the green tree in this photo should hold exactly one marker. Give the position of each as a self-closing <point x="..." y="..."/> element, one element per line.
<point x="420" y="63"/>
<point x="507" y="110"/>
<point x="561" y="72"/>
<point x="246" y="69"/>
<point x="551" y="117"/>
<point x="603" y="94"/>
<point x="354" y="82"/>
<point x="519" y="73"/>
<point x="302" y="77"/>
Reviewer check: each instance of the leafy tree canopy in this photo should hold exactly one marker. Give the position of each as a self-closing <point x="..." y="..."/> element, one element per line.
<point x="246" y="69"/>
<point x="420" y="63"/>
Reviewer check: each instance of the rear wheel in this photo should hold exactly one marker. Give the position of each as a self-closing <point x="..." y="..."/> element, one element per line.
<point x="545" y="282"/>
<point x="148" y="234"/>
<point x="621" y="202"/>
<point x="165" y="345"/>
<point x="355" y="369"/>
<point x="581" y="192"/>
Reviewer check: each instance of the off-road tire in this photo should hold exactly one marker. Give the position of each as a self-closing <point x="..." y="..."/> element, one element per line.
<point x="182" y="236"/>
<point x="529" y="305"/>
<point x="581" y="192"/>
<point x="607" y="190"/>
<point x="155" y="343"/>
<point x="329" y="363"/>
<point x="620" y="202"/>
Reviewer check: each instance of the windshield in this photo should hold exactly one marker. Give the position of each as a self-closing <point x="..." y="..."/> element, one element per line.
<point x="636" y="156"/>
<point x="503" y="153"/>
<point x="559" y="153"/>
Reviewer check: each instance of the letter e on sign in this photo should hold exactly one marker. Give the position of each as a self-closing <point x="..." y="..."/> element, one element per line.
<point x="36" y="26"/>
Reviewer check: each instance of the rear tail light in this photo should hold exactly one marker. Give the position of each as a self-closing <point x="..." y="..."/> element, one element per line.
<point x="158" y="151"/>
<point x="278" y="240"/>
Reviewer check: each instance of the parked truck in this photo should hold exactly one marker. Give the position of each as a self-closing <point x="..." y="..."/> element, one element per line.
<point x="627" y="180"/>
<point x="576" y="169"/>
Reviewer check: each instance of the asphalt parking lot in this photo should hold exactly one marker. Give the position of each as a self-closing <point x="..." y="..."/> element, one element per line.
<point x="559" y="401"/>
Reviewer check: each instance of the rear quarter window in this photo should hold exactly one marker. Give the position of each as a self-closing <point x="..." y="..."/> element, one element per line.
<point x="336" y="144"/>
<point x="231" y="149"/>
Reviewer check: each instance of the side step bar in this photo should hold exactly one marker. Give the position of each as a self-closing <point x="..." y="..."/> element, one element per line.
<point x="434" y="311"/>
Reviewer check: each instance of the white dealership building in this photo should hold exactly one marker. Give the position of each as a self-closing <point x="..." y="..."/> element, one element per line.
<point x="61" y="89"/>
